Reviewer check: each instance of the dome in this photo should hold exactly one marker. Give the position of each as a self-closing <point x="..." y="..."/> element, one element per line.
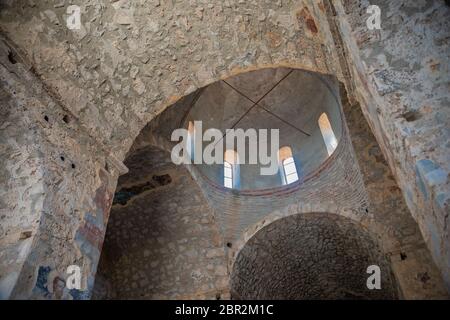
<point x="302" y="106"/>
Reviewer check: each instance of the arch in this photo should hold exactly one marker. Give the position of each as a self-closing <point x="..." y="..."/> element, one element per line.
<point x="281" y="261"/>
<point x="384" y="233"/>
<point x="304" y="208"/>
<point x="345" y="141"/>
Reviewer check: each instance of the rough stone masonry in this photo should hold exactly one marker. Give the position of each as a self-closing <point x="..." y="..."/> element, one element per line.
<point x="73" y="102"/>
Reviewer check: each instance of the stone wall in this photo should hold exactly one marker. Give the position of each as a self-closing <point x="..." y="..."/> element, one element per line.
<point x="162" y="240"/>
<point x="21" y="180"/>
<point x="416" y="273"/>
<point x="56" y="192"/>
<point x="310" y="256"/>
<point x="400" y="75"/>
<point x="132" y="59"/>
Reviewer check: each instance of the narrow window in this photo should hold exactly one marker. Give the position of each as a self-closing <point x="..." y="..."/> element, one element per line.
<point x="231" y="169"/>
<point x="327" y="133"/>
<point x="288" y="169"/>
<point x="190" y="141"/>
<point x="228" y="175"/>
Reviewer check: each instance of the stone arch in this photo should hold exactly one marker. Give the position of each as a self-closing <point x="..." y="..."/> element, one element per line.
<point x="270" y="264"/>
<point x="290" y="64"/>
<point x="145" y="140"/>
<point x="102" y="194"/>
<point x="294" y="37"/>
<point x="288" y="211"/>
<point x="102" y="171"/>
<point x="355" y="207"/>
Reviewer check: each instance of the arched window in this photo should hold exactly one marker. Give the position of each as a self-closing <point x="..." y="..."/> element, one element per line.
<point x="290" y="171"/>
<point x="231" y="169"/>
<point x="190" y="141"/>
<point x="327" y="133"/>
<point x="228" y="175"/>
<point x="288" y="168"/>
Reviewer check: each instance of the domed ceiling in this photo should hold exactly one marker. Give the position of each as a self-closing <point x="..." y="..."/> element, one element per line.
<point x="285" y="99"/>
<point x="289" y="100"/>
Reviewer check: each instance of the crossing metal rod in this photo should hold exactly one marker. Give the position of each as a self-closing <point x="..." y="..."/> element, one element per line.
<point x="265" y="109"/>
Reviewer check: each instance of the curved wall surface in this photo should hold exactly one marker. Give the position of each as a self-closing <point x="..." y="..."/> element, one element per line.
<point x="287" y="100"/>
<point x="311" y="256"/>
